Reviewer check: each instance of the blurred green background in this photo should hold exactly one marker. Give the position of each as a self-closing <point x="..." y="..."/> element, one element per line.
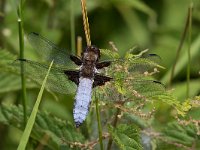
<point x="154" y="25"/>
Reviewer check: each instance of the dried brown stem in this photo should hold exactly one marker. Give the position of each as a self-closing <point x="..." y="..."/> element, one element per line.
<point x="85" y="22"/>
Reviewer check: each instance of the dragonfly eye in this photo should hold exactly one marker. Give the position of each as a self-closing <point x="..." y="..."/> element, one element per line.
<point x="95" y="50"/>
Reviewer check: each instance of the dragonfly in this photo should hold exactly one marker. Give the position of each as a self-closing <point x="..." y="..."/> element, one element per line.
<point x="64" y="78"/>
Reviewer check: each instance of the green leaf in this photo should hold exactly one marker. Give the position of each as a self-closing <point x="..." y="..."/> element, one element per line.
<point x="31" y="120"/>
<point x="126" y="136"/>
<point x="12" y="82"/>
<point x="6" y="57"/>
<point x="59" y="132"/>
<point x="140" y="122"/>
<point x="139" y="5"/>
<point x="169" y="99"/>
<point x="183" y="60"/>
<point x="183" y="134"/>
<point x="110" y="53"/>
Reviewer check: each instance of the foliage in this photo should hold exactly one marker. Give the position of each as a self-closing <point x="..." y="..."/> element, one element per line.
<point x="126" y="137"/>
<point x="48" y="129"/>
<point x="31" y="120"/>
<point x="11" y="80"/>
<point x="185" y="135"/>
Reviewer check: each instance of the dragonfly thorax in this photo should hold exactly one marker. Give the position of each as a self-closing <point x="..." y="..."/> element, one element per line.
<point x="89" y="59"/>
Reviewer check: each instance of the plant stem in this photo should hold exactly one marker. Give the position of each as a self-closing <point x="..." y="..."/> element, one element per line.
<point x="99" y="123"/>
<point x="79" y="46"/>
<point x="72" y="27"/>
<point x="21" y="46"/>
<point x="85" y="22"/>
<point x="114" y="125"/>
<point x="189" y="45"/>
<point x="179" y="49"/>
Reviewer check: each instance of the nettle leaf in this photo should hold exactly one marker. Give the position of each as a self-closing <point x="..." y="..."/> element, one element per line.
<point x="134" y="73"/>
<point x="11" y="79"/>
<point x="127" y="137"/>
<point x="110" y="53"/>
<point x="168" y="98"/>
<point x="6" y="57"/>
<point x="12" y="82"/>
<point x="195" y="101"/>
<point x="140" y="122"/>
<point x="183" y="134"/>
<point x="58" y="132"/>
<point x="132" y="78"/>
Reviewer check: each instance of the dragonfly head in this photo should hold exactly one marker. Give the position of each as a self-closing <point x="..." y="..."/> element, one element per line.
<point x="92" y="50"/>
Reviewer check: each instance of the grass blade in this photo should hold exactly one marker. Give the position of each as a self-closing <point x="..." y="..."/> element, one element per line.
<point x="189" y="47"/>
<point x="31" y="120"/>
<point x="178" y="51"/>
<point x="194" y="50"/>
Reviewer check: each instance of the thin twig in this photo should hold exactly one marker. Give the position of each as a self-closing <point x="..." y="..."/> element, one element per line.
<point x="85" y="22"/>
<point x="72" y="26"/>
<point x="89" y="145"/>
<point x="180" y="47"/>
<point x="189" y="47"/>
<point x="99" y="122"/>
<point x="114" y="125"/>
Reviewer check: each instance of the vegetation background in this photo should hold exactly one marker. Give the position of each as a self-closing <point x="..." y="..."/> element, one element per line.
<point x="154" y="25"/>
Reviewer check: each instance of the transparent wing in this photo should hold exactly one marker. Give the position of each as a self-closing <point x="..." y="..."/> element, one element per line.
<point x="138" y="67"/>
<point x="133" y="89"/>
<point x="129" y="74"/>
<point x="49" y="51"/>
<point x="57" y="81"/>
<point x="145" y="63"/>
<point x="147" y="87"/>
<point x="139" y="62"/>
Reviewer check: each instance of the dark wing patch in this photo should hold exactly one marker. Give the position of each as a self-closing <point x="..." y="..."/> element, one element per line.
<point x="103" y="64"/>
<point x="76" y="60"/>
<point x="73" y="75"/>
<point x="100" y="80"/>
